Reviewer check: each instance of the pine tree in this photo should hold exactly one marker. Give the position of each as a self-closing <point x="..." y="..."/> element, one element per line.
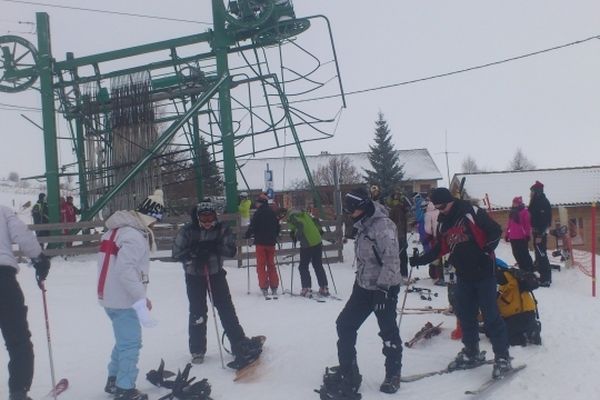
<point x="386" y="170"/>
<point x="211" y="176"/>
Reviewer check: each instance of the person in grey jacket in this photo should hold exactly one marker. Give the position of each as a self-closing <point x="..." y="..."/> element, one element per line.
<point x="375" y="290"/>
<point x="201" y="246"/>
<point x="123" y="273"/>
<point x="13" y="312"/>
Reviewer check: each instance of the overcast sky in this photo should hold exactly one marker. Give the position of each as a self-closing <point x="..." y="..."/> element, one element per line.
<point x="548" y="105"/>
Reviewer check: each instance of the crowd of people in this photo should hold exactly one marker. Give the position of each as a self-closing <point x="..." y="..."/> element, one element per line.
<point x="450" y="229"/>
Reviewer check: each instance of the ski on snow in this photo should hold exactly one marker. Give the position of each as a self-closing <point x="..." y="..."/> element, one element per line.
<point x="493" y="381"/>
<point x="416" y="377"/>
<point x="60" y="387"/>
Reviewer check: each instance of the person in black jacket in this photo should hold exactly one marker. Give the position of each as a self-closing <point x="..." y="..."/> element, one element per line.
<point x="264" y="227"/>
<point x="469" y="236"/>
<point x="201" y="245"/>
<point x="541" y="219"/>
<point x="39" y="213"/>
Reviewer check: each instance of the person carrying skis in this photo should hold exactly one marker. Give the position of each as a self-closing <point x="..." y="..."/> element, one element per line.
<point x="375" y="290"/>
<point x="200" y="246"/>
<point x="13" y="311"/>
<point x="541" y="219"/>
<point x="307" y="230"/>
<point x="518" y="232"/>
<point x="264" y="227"/>
<point x="469" y="236"/>
<point x="123" y="274"/>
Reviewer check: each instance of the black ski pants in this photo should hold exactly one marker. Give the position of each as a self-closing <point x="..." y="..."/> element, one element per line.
<point x="197" y="289"/>
<point x="520" y="250"/>
<point x="540" y="243"/>
<point x="403" y="257"/>
<point x="15" y="330"/>
<point x="359" y="306"/>
<point x="312" y="254"/>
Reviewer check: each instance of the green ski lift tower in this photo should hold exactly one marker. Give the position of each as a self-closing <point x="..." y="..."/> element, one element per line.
<point x="249" y="85"/>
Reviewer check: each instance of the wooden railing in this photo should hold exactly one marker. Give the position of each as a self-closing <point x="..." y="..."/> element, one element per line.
<point x="89" y="233"/>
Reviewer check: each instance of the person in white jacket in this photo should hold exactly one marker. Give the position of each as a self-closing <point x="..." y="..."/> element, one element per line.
<point x="123" y="271"/>
<point x="13" y="311"/>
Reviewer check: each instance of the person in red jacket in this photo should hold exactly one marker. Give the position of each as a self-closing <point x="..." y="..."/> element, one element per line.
<point x="68" y="214"/>
<point x="518" y="233"/>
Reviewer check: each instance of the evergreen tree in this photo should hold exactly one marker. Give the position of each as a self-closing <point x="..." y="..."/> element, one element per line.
<point x="211" y="176"/>
<point x="386" y="169"/>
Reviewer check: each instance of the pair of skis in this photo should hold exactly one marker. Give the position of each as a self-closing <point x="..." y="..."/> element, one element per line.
<point x="485" y="386"/>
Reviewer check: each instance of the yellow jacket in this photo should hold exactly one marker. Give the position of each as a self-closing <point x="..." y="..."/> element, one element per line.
<point x="510" y="300"/>
<point x="244" y="208"/>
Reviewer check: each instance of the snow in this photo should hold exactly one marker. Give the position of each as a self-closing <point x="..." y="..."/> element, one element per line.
<point x="302" y="338"/>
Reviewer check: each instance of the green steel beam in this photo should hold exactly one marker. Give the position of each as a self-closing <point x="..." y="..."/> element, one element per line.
<point x="159" y="144"/>
<point x="44" y="67"/>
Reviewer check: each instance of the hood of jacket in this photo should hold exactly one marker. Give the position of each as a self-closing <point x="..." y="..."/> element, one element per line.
<point x="126" y="218"/>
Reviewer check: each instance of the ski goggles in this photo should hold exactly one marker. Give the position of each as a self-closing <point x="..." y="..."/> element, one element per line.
<point x="207" y="217"/>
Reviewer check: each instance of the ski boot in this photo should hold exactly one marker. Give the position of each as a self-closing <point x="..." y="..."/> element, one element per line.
<point x="324" y="291"/>
<point x="111" y="385"/>
<point x="391" y="383"/>
<point x="468" y="357"/>
<point x="340" y="385"/>
<point x="130" y="394"/>
<point x="501" y="366"/>
<point x="197" y="358"/>
<point x="246" y="352"/>
<point x="18" y="396"/>
<point x="306" y="292"/>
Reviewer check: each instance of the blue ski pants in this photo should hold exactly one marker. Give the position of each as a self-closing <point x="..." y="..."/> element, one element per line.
<point x="128" y="342"/>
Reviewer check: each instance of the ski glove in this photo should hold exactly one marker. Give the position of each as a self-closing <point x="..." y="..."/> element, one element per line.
<point x="380" y="299"/>
<point x="143" y="313"/>
<point x="414" y="261"/>
<point x="42" y="266"/>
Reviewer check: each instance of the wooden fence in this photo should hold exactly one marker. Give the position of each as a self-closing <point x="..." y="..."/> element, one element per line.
<point x="63" y="241"/>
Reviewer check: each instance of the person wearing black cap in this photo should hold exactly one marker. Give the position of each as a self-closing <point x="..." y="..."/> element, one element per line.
<point x="469" y="236"/>
<point x="541" y="219"/>
<point x="201" y="246"/>
<point x="375" y="290"/>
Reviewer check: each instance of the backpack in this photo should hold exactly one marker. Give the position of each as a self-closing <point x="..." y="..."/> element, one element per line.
<point x="527" y="280"/>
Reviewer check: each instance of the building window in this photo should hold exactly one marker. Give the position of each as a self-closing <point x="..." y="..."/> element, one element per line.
<point x="424" y="188"/>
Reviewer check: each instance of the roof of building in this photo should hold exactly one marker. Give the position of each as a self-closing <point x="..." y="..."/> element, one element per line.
<point x="562" y="186"/>
<point x="288" y="171"/>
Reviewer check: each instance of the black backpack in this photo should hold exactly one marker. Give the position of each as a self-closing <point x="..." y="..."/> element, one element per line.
<point x="527" y="280"/>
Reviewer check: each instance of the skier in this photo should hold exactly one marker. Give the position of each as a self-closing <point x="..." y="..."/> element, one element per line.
<point x="541" y="218"/>
<point x="13" y="312"/>
<point x="399" y="206"/>
<point x="307" y="230"/>
<point x="470" y="236"/>
<point x="518" y="232"/>
<point x="201" y="245"/>
<point x="375" y="290"/>
<point x="244" y="208"/>
<point x="39" y="213"/>
<point x="264" y="227"/>
<point x="517" y="306"/>
<point x="123" y="274"/>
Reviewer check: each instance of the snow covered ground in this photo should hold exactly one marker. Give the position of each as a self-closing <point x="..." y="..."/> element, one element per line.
<point x="301" y="339"/>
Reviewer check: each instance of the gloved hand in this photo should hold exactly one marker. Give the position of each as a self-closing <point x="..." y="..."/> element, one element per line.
<point x="380" y="299"/>
<point x="142" y="309"/>
<point x="414" y="261"/>
<point x="42" y="266"/>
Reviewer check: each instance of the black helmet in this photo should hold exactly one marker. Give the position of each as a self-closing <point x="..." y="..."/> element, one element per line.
<point x="356" y="200"/>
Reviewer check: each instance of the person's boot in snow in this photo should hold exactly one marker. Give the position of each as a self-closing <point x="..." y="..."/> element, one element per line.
<point x="111" y="385"/>
<point x="18" y="396"/>
<point x="501" y="366"/>
<point x="391" y="383"/>
<point x="341" y="383"/>
<point x="468" y="357"/>
<point x="197" y="358"/>
<point x="130" y="394"/>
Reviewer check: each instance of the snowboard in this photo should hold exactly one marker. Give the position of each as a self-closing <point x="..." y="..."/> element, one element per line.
<point x="248" y="370"/>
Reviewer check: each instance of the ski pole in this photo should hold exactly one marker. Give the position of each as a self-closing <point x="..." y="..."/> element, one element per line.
<point x="330" y="273"/>
<point x="248" y="264"/>
<point x="212" y="304"/>
<point x="52" y="375"/>
<point x="415" y="253"/>
<point x="279" y="270"/>
<point x="292" y="277"/>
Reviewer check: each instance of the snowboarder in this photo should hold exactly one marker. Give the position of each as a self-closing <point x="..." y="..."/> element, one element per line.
<point x="307" y="230"/>
<point x="541" y="218"/>
<point x="469" y="236"/>
<point x="123" y="274"/>
<point x="375" y="290"/>
<point x="13" y="312"/>
<point x="518" y="232"/>
<point x="264" y="227"/>
<point x="200" y="246"/>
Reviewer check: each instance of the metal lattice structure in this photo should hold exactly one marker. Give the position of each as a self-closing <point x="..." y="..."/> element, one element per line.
<point x="233" y="88"/>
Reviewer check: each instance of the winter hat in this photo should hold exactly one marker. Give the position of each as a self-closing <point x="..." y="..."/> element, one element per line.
<point x="357" y="199"/>
<point x="206" y="206"/>
<point x="152" y="208"/>
<point x="537" y="187"/>
<point x="42" y="196"/>
<point x="517" y="201"/>
<point x="244" y="195"/>
<point x="441" y="196"/>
